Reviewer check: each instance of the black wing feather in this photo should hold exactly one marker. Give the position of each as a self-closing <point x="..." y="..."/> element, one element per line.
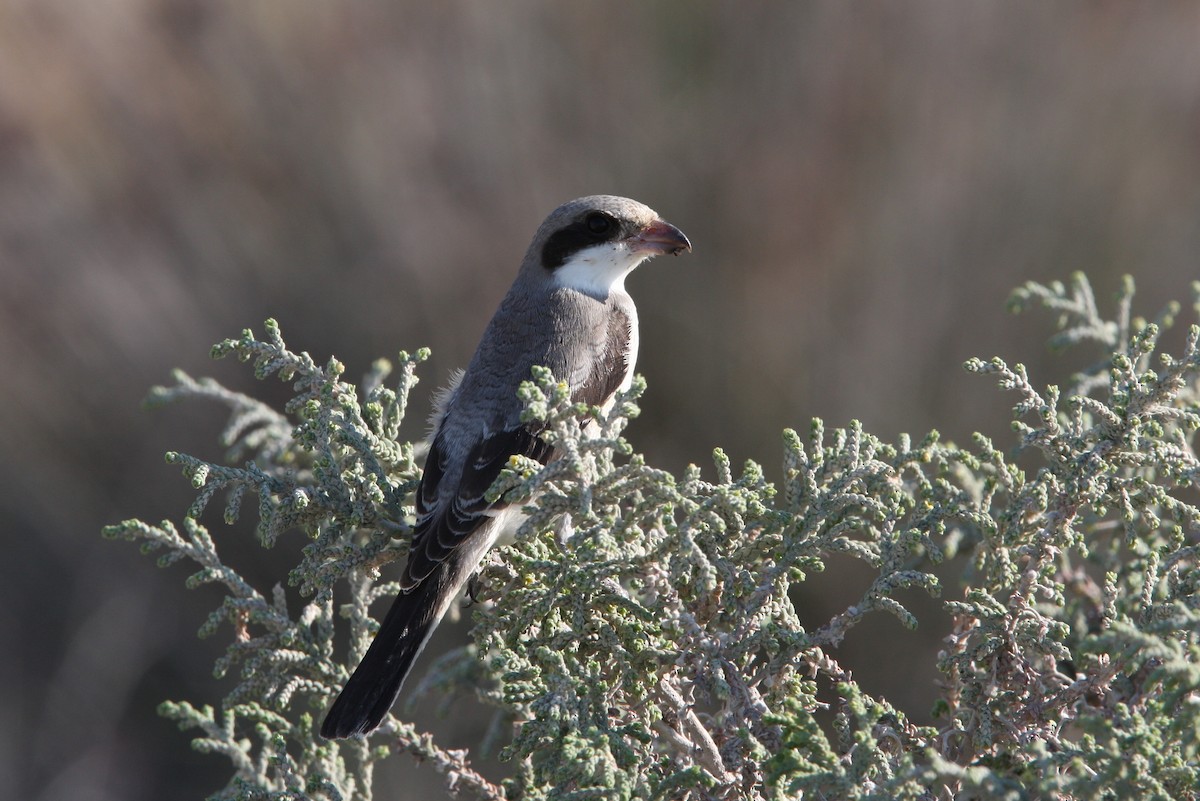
<point x="440" y="531"/>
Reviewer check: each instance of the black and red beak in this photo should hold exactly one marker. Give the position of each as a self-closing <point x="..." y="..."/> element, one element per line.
<point x="660" y="237"/>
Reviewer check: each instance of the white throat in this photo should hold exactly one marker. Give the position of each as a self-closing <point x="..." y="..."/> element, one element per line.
<point x="598" y="270"/>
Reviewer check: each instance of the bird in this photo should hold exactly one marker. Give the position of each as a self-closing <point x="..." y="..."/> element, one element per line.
<point x="567" y="310"/>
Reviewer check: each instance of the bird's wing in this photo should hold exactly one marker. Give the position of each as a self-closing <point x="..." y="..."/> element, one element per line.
<point x="445" y="524"/>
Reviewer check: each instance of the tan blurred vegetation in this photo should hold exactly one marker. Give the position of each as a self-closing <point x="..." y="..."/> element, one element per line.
<point x="863" y="184"/>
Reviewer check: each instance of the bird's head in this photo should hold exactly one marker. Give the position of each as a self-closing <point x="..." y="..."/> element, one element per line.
<point x="592" y="243"/>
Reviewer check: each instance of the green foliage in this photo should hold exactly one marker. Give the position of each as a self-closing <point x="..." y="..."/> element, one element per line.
<point x="640" y="634"/>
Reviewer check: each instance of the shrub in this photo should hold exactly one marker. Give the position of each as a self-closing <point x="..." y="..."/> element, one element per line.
<point x="640" y="638"/>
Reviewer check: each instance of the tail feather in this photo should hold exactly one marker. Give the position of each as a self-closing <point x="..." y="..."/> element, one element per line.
<point x="372" y="689"/>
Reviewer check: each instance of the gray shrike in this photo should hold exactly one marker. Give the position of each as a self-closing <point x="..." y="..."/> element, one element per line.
<point x="567" y="310"/>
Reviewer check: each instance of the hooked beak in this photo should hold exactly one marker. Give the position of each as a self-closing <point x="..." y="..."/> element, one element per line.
<point x="659" y="237"/>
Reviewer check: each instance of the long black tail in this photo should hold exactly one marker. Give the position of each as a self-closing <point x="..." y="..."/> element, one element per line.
<point x="373" y="687"/>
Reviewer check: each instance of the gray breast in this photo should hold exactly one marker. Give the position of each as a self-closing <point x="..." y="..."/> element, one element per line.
<point x="614" y="353"/>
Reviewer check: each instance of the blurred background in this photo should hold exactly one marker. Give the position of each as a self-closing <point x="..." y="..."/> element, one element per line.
<point x="863" y="185"/>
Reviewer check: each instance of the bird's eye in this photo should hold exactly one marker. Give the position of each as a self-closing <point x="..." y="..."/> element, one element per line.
<point x="598" y="223"/>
